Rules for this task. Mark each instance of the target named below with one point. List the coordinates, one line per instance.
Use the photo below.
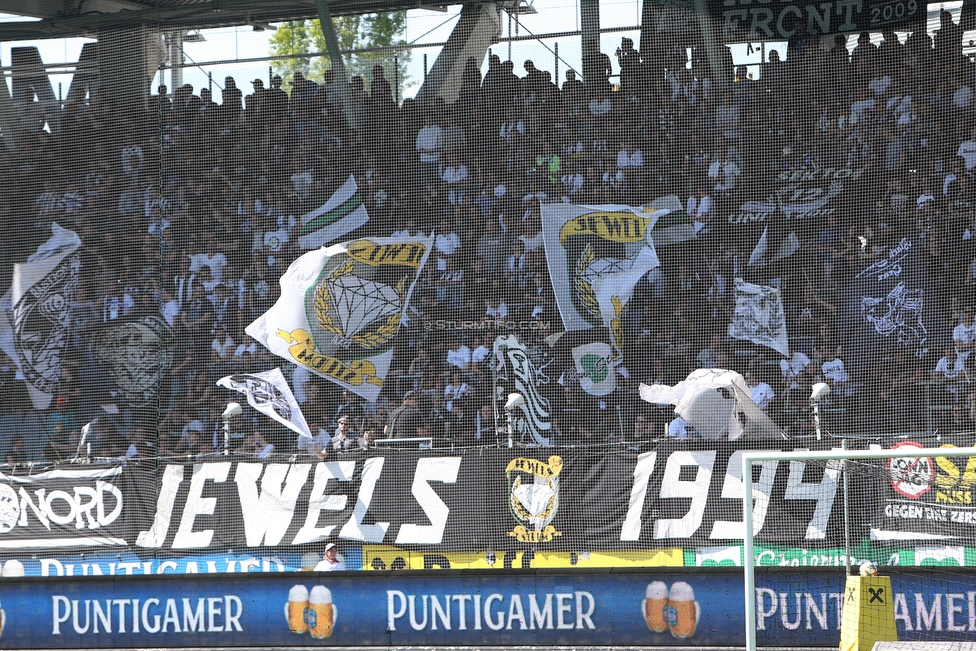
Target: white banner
(759, 317)
(269, 393)
(341, 307)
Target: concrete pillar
(85, 74)
(28, 72)
(127, 61)
(338, 66)
(474, 32)
(590, 22)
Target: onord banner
(524, 608)
(483, 501)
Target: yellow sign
(385, 557)
(302, 349)
(869, 613)
(536, 467)
(612, 226)
(373, 254)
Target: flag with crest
(341, 307)
(35, 313)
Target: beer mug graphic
(321, 612)
(655, 601)
(3, 619)
(682, 612)
(295, 609)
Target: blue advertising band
(616, 608)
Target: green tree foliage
(301, 37)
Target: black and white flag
(137, 354)
(35, 313)
(269, 393)
(515, 372)
(759, 317)
(890, 302)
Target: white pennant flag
(269, 393)
(341, 214)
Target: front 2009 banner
(306, 608)
(440, 501)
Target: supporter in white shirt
(459, 357)
(446, 243)
(792, 368)
(950, 367)
(330, 560)
(964, 334)
(967, 150)
(762, 393)
(430, 141)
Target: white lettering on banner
(800, 608)
(673, 487)
(443, 469)
(268, 514)
(697, 491)
(573, 610)
(221, 614)
(642, 473)
(196, 505)
(733, 488)
(318, 501)
(822, 491)
(354, 529)
(62, 507)
(170, 485)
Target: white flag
(269, 393)
(759, 317)
(341, 214)
(35, 313)
(341, 307)
(717, 403)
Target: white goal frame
(752, 456)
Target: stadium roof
(63, 18)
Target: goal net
(907, 514)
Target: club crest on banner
(136, 354)
(533, 497)
(341, 307)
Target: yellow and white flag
(340, 309)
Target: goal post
(750, 457)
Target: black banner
(672, 494)
(777, 20)
(450, 500)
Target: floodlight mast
(749, 456)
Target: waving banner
(269, 393)
(516, 372)
(341, 214)
(35, 313)
(341, 307)
(586, 358)
(891, 305)
(759, 317)
(585, 244)
(137, 354)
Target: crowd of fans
(188, 207)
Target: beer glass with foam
(655, 600)
(295, 609)
(3, 620)
(321, 612)
(682, 612)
